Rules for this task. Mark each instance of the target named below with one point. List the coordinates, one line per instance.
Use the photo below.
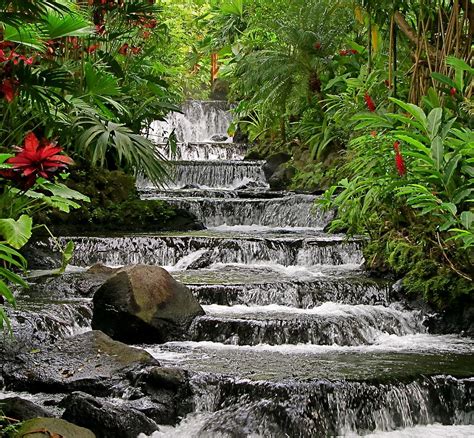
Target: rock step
(229, 285)
(209, 150)
(294, 211)
(168, 249)
(328, 324)
(190, 192)
(215, 174)
(324, 408)
(390, 358)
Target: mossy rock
(52, 427)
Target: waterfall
(198, 122)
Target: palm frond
(134, 152)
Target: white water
(192, 424)
(384, 343)
(198, 122)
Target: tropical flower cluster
(33, 160)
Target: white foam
(325, 309)
(431, 431)
(414, 343)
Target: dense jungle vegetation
(371, 101)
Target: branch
(411, 34)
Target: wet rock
(52, 427)
(143, 303)
(90, 362)
(219, 138)
(21, 409)
(240, 137)
(250, 185)
(168, 395)
(184, 220)
(282, 177)
(69, 285)
(274, 162)
(106, 419)
(203, 261)
(39, 256)
(458, 318)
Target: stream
(297, 339)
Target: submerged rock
(106, 419)
(219, 138)
(143, 303)
(52, 427)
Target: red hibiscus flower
(369, 102)
(35, 160)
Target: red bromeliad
(35, 160)
(369, 102)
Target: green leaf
(408, 139)
(62, 191)
(437, 152)
(16, 233)
(417, 113)
(450, 169)
(459, 64)
(444, 80)
(449, 206)
(467, 219)
(434, 122)
(67, 255)
(6, 292)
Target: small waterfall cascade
(297, 339)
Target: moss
(114, 206)
(425, 274)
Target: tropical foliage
(374, 101)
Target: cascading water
(297, 340)
(198, 122)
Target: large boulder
(106, 419)
(52, 427)
(143, 303)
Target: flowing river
(297, 340)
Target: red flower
(8, 90)
(136, 50)
(396, 147)
(317, 45)
(100, 29)
(400, 163)
(35, 160)
(373, 134)
(452, 91)
(123, 50)
(348, 52)
(369, 102)
(92, 48)
(146, 34)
